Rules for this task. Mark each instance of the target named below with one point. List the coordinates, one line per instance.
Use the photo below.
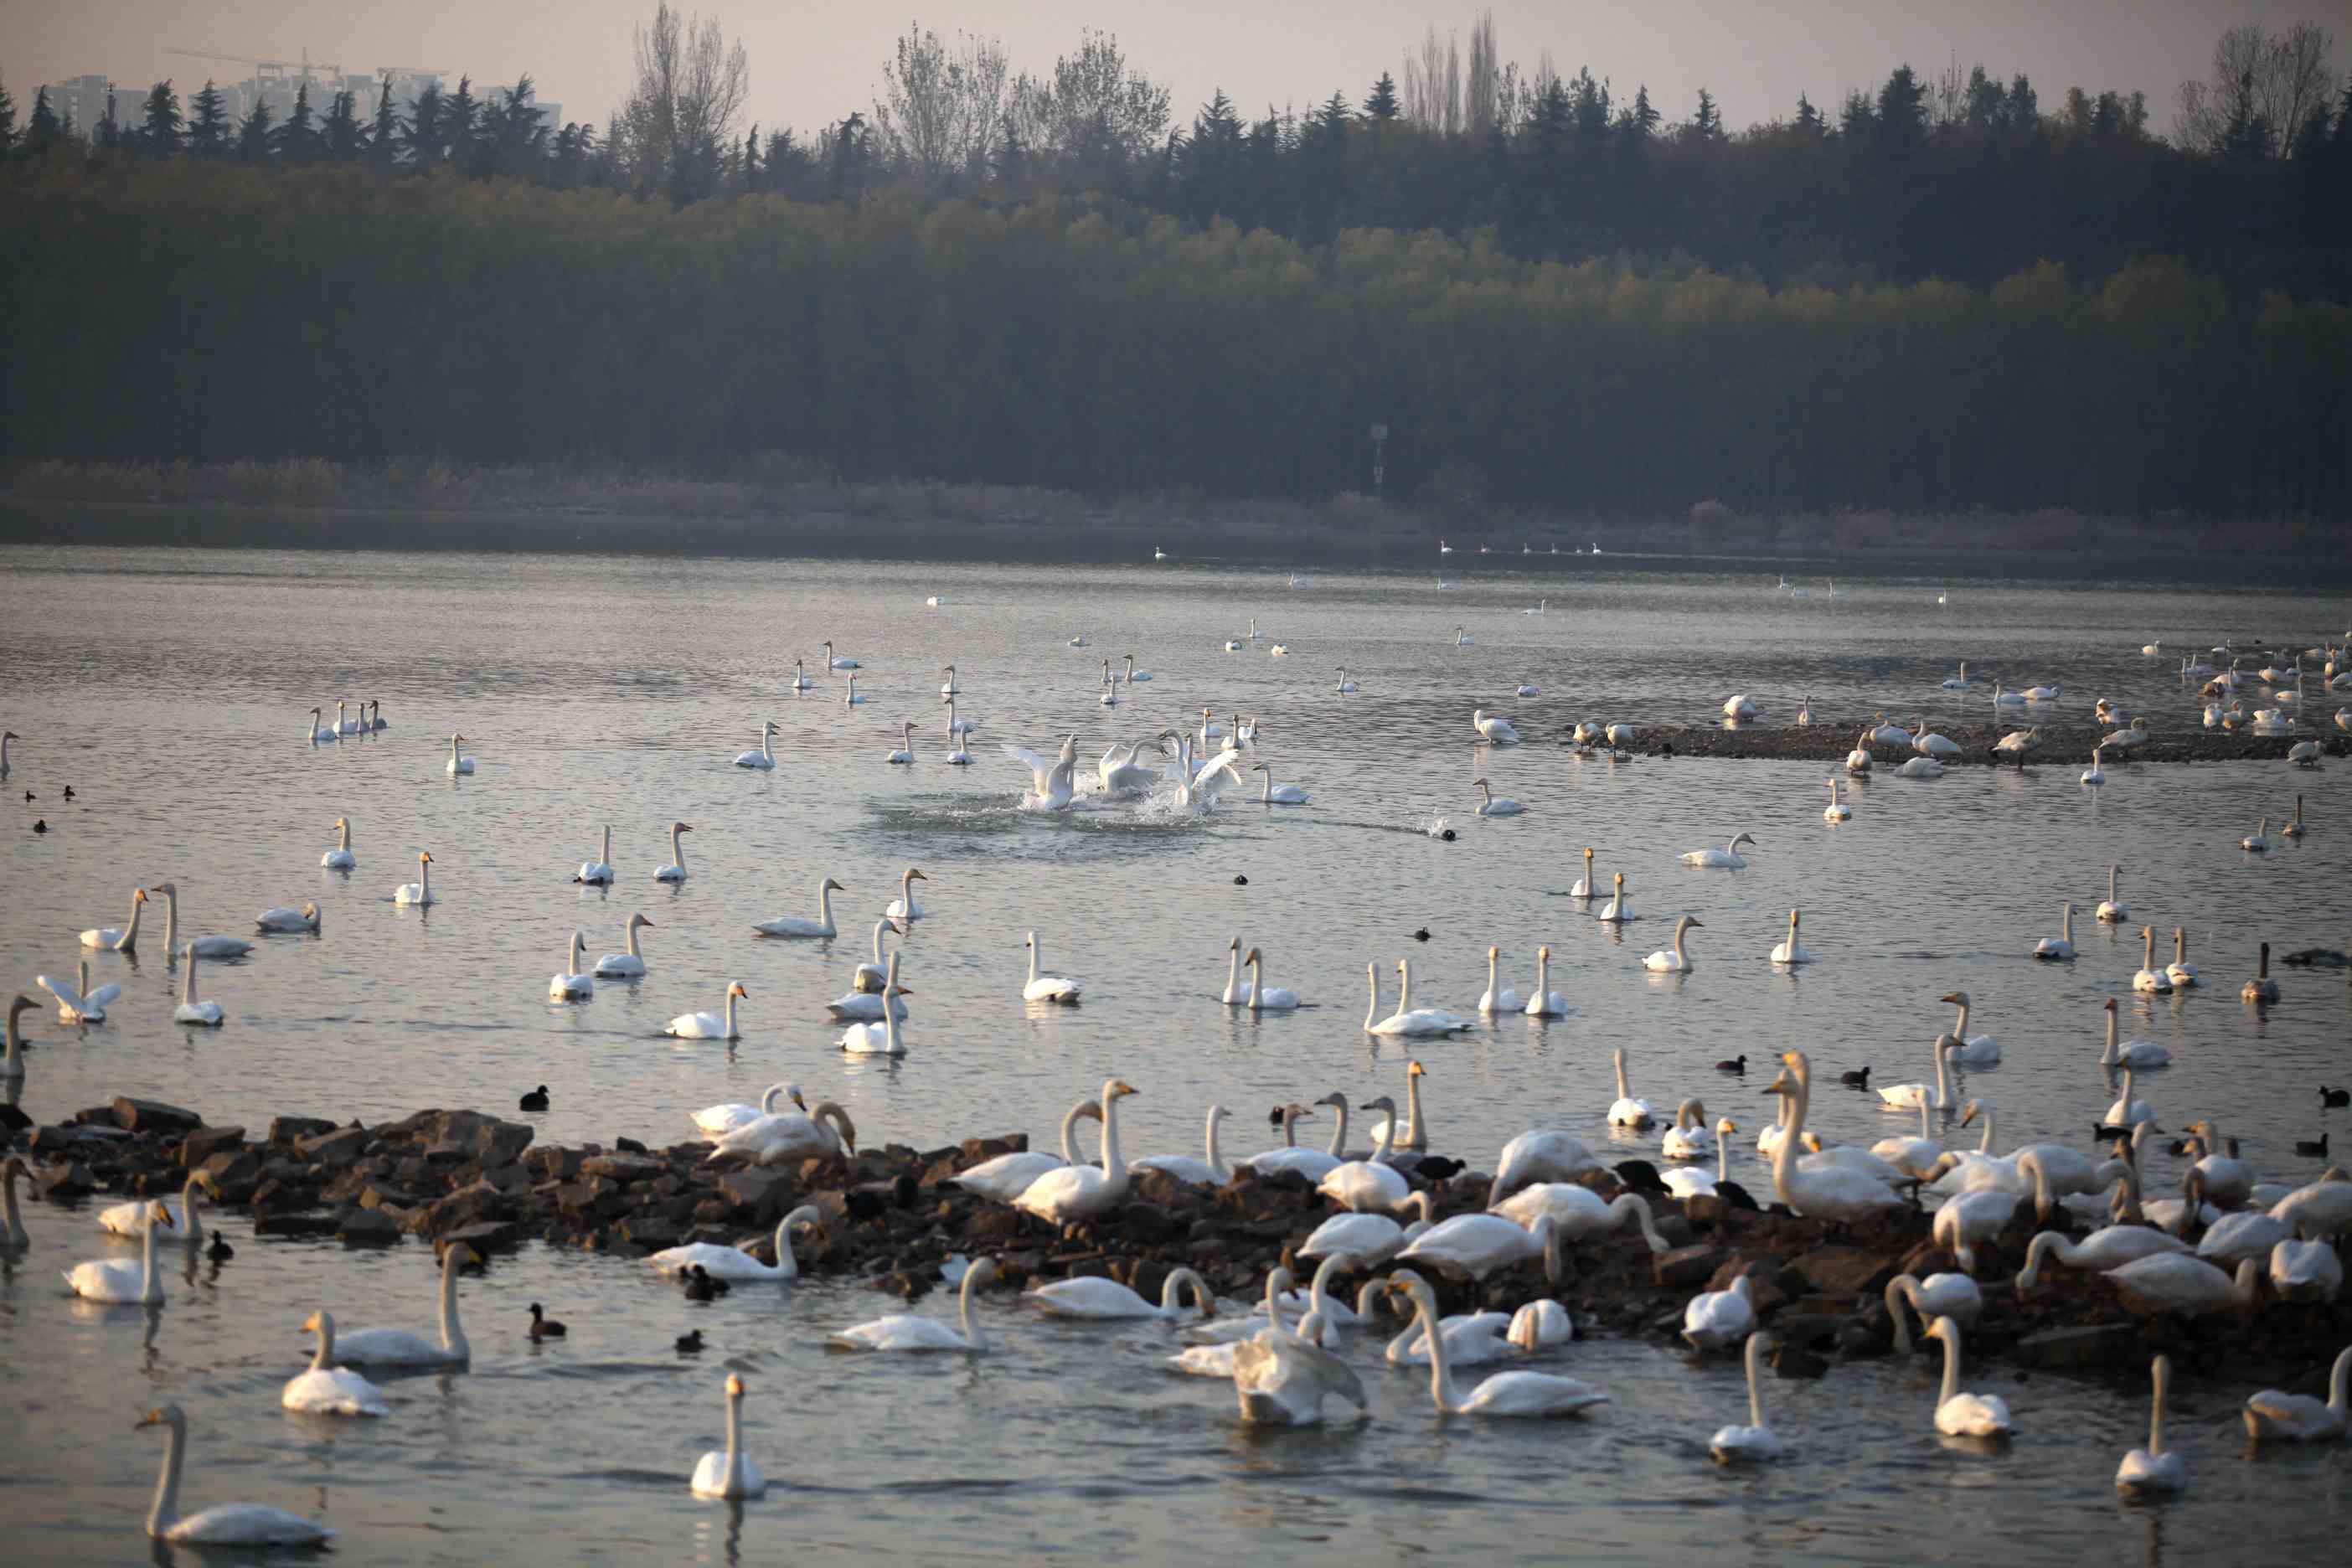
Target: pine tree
(1707, 125)
(208, 128)
(344, 138)
(1642, 120)
(253, 135)
(458, 114)
(160, 128)
(45, 127)
(1809, 118)
(1382, 104)
(298, 140)
(1550, 120)
(108, 133)
(7, 120)
(383, 132)
(426, 140)
(1902, 111)
(750, 161)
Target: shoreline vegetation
(777, 505)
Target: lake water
(169, 690)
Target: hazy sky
(814, 60)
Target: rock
(976, 1150)
(1797, 1360)
(64, 1179)
(276, 1196)
(1684, 1267)
(550, 1164)
(292, 1128)
(152, 1116)
(2094, 1345)
(468, 1204)
(302, 1224)
(48, 1141)
(334, 1150)
(1149, 1224)
(651, 1232)
(1844, 1272)
(591, 1194)
(995, 1225)
(623, 1168)
(230, 1168)
(485, 1237)
(366, 1228)
(630, 1146)
(205, 1141)
(483, 1138)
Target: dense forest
(1937, 296)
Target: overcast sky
(814, 60)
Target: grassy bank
(776, 505)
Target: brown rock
(64, 1179)
(273, 1195)
(229, 1166)
(367, 1228)
(51, 1141)
(651, 1232)
(466, 1205)
(622, 1168)
(290, 1129)
(335, 1149)
(485, 1237)
(550, 1162)
(152, 1116)
(1843, 1271)
(976, 1150)
(1683, 1267)
(205, 1141)
(995, 1225)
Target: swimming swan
(730, 1475)
(1755, 1442)
(675, 870)
(340, 858)
(223, 1524)
(398, 1347)
(1674, 960)
(1959, 1415)
(419, 892)
(460, 765)
(202, 947)
(905, 1331)
(822, 926)
(766, 757)
(704, 1025)
(733, 1263)
(572, 985)
(627, 965)
(191, 1011)
(1083, 1192)
(1507, 1393)
(325, 1389)
(1727, 859)
(113, 1281)
(1053, 987)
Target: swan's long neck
(1755, 1389)
(1784, 1157)
(1033, 967)
(730, 1012)
(2159, 1376)
(148, 1289)
(889, 1018)
(323, 1357)
(2179, 944)
(1217, 1158)
(1492, 964)
(1387, 1139)
(2107, 1057)
(165, 1511)
(1404, 987)
(12, 1219)
(1371, 1012)
(1267, 795)
(16, 1055)
(735, 1481)
(193, 1233)
(1070, 1133)
(2338, 1381)
(1441, 1370)
(971, 1331)
(764, 750)
(1722, 1158)
(1622, 1092)
(171, 922)
(343, 836)
(677, 848)
(2111, 884)
(2038, 1250)
(1680, 957)
(1952, 1365)
(423, 883)
(452, 1336)
(632, 942)
(1416, 1136)
(2066, 924)
(188, 980)
(2147, 949)
(1629, 1205)
(1543, 987)
(1339, 1131)
(1113, 1164)
(1960, 1029)
(906, 893)
(1944, 1081)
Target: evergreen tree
(208, 128)
(427, 140)
(1641, 120)
(848, 153)
(458, 114)
(1902, 120)
(7, 120)
(2246, 138)
(43, 128)
(109, 131)
(1591, 100)
(160, 129)
(1382, 104)
(344, 138)
(1011, 154)
(253, 135)
(296, 140)
(1550, 120)
(383, 132)
(1707, 125)
(1809, 118)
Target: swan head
(164, 1415)
(1725, 1127)
(914, 876)
(1958, 998)
(734, 1382)
(1384, 1102)
(1253, 958)
(425, 857)
(1743, 838)
(735, 988)
(158, 1215)
(1617, 880)
(318, 1324)
(341, 822)
(681, 827)
(635, 920)
(833, 886)
(1812, 1142)
(1968, 1112)
(1334, 1098)
(1414, 1070)
(170, 890)
(454, 740)
(138, 896)
(1690, 922)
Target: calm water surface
(169, 690)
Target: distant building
(82, 99)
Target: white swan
(283, 920)
(1566, 1212)
(2322, 1208)
(460, 765)
(2112, 910)
(1099, 1299)
(2059, 948)
(766, 757)
(1415, 1023)
(1497, 998)
(1968, 1051)
(1210, 1171)
(1544, 1002)
(1979, 1216)
(1959, 1415)
(822, 926)
(325, 1389)
(2176, 1282)
(1120, 774)
(1236, 991)
(948, 688)
(1714, 1319)
(1673, 959)
(1133, 675)
(319, 731)
(398, 1347)
(1689, 1138)
(1835, 1193)
(1726, 859)
(78, 1004)
(905, 1331)
(716, 1121)
(2106, 1248)
(1370, 1239)
(882, 1038)
(1494, 728)
(734, 1263)
(2095, 774)
(2149, 977)
(903, 755)
(1488, 805)
(629, 963)
(1505, 1394)
(1740, 707)
(1052, 987)
(2306, 1271)
(1836, 811)
(572, 985)
(2141, 1053)
(2128, 1111)
(113, 1281)
(957, 757)
(675, 870)
(1281, 795)
(1690, 1181)
(1755, 1442)
(2180, 972)
(1627, 1111)
(801, 681)
(1345, 686)
(223, 1524)
(903, 907)
(849, 696)
(1619, 734)
(1618, 910)
(1005, 1177)
(838, 661)
(340, 858)
(2273, 1415)
(1792, 952)
(1540, 1154)
(706, 1025)
(1083, 1192)
(1282, 1380)
(202, 947)
(1585, 886)
(1953, 1296)
(1957, 682)
(1541, 1323)
(786, 1137)
(1262, 998)
(730, 1475)
(1928, 744)
(1373, 1185)
(1916, 1156)
(207, 1014)
(419, 892)
(1908, 1096)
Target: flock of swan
(1286, 1358)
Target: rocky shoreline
(1828, 741)
(893, 1217)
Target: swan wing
(66, 995)
(1041, 768)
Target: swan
(1109, 698)
(1209, 1172)
(1083, 1192)
(320, 731)
(838, 661)
(707, 1026)
(1627, 1111)
(1836, 811)
(1977, 1216)
(1345, 686)
(2176, 1282)
(2259, 841)
(1544, 1002)
(2246, 1233)
(1858, 760)
(202, 947)
(734, 1263)
(1792, 952)
(1101, 1298)
(2294, 828)
(2002, 697)
(1370, 1239)
(1420, 1023)
(1488, 805)
(1472, 1339)
(1714, 1319)
(903, 907)
(1120, 773)
(398, 1347)
(2261, 987)
(785, 1137)
(79, 1005)
(1726, 859)
(1618, 910)
(2228, 1181)
(1689, 1138)
(1674, 960)
(2149, 977)
(878, 1040)
(1739, 707)
(948, 688)
(1959, 1415)
(223, 1524)
(1057, 988)
(849, 695)
(1585, 886)
(675, 870)
(1004, 1177)
(627, 965)
(1957, 682)
(1414, 1137)
(1906, 1096)
(1496, 999)
(460, 765)
(190, 1010)
(1916, 1156)
(420, 892)
(905, 1331)
(2273, 1416)
(1373, 1185)
(1495, 729)
(1757, 1442)
(2095, 774)
(1833, 1194)
(2133, 734)
(2059, 948)
(1569, 1211)
(822, 926)
(766, 757)
(340, 858)
(801, 681)
(1236, 991)
(2014, 745)
(1969, 1050)
(1133, 675)
(1820, 1156)
(2128, 1111)
(325, 1389)
(1507, 1393)
(1540, 1155)
(1312, 1163)
(1461, 637)
(1690, 1181)
(1953, 1296)
(1537, 1325)
(730, 1475)
(957, 757)
(863, 1002)
(716, 1121)
(1932, 745)
(113, 1281)
(1477, 1245)
(599, 872)
(1282, 1379)
(572, 985)
(1273, 999)
(2108, 1247)
(2322, 1208)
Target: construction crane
(262, 69)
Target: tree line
(209, 310)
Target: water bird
(223, 1524)
(689, 1342)
(399, 1347)
(730, 1475)
(629, 963)
(535, 1100)
(325, 1389)
(675, 870)
(543, 1327)
(2334, 1097)
(1737, 1063)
